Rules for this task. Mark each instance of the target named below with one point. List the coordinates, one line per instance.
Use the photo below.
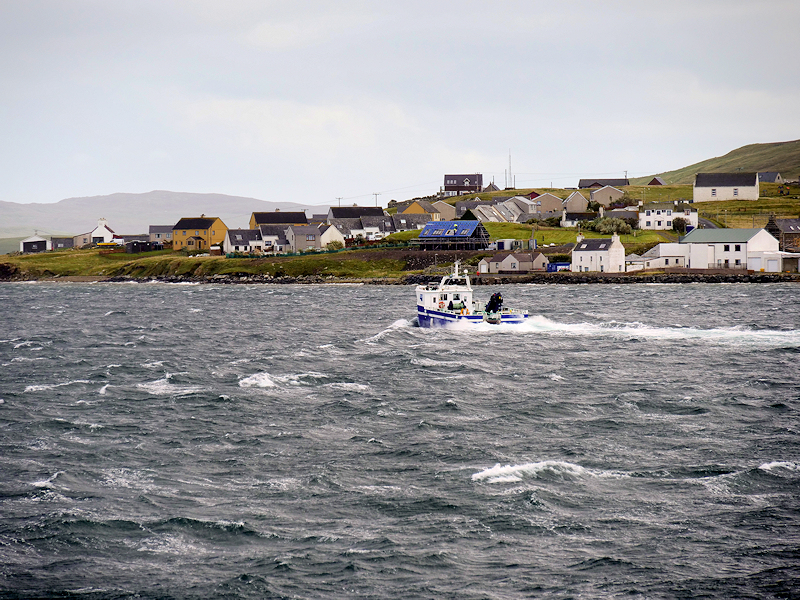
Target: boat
(450, 302)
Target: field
(781, 157)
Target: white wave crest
(785, 465)
(261, 380)
(399, 324)
(514, 473)
(164, 387)
(267, 380)
(722, 335)
(49, 386)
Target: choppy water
(309, 441)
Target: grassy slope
(783, 157)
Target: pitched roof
(402, 222)
(657, 181)
(345, 226)
(593, 245)
(239, 236)
(769, 176)
(195, 223)
(449, 229)
(279, 217)
(785, 225)
(587, 183)
(581, 216)
(718, 236)
(725, 179)
(160, 228)
(354, 212)
(384, 224)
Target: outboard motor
(495, 303)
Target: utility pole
(376, 194)
(339, 198)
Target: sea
(311, 441)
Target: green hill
(783, 157)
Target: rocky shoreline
(562, 278)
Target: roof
(769, 176)
(448, 229)
(304, 229)
(384, 223)
(491, 188)
(354, 212)
(581, 216)
(345, 226)
(785, 225)
(587, 183)
(725, 179)
(718, 236)
(195, 223)
(667, 206)
(610, 187)
(593, 245)
(160, 228)
(280, 217)
(238, 236)
(520, 256)
(415, 221)
(657, 181)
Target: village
(445, 223)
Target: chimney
(614, 238)
(580, 239)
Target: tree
(334, 245)
(679, 224)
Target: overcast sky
(309, 101)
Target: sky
(313, 101)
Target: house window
(737, 262)
(726, 248)
(669, 213)
(676, 261)
(738, 248)
(735, 191)
(311, 237)
(513, 265)
(658, 223)
(184, 233)
(658, 212)
(669, 223)
(158, 236)
(727, 263)
(647, 214)
(197, 232)
(713, 192)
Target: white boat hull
(435, 318)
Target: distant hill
(132, 213)
(783, 157)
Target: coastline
(561, 278)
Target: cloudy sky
(310, 101)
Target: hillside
(783, 157)
(131, 213)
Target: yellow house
(421, 207)
(198, 233)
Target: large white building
(709, 187)
(754, 249)
(660, 216)
(606, 255)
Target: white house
(247, 241)
(659, 216)
(754, 249)
(328, 234)
(661, 256)
(709, 187)
(102, 234)
(606, 255)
